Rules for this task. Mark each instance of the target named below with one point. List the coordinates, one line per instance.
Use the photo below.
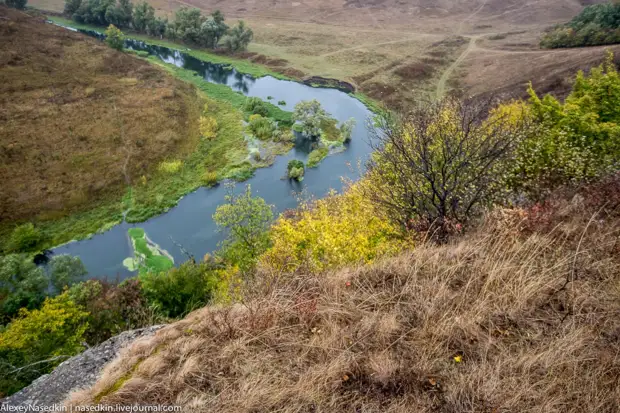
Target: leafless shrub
(439, 164)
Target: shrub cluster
(597, 24)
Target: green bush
(295, 169)
(22, 285)
(176, 292)
(65, 271)
(282, 102)
(112, 308)
(262, 128)
(24, 238)
(256, 106)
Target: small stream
(189, 224)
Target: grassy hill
(519, 315)
(80, 121)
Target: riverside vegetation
(425, 284)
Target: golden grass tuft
(522, 315)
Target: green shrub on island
(281, 102)
(295, 170)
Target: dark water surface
(190, 223)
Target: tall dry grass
(521, 316)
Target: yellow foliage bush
(332, 232)
(170, 166)
(208, 127)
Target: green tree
(114, 38)
(143, 16)
(119, 14)
(65, 271)
(310, 115)
(22, 284)
(245, 220)
(238, 38)
(157, 27)
(17, 4)
(38, 340)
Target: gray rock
(75, 373)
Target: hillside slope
(522, 315)
(78, 120)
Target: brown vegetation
(80, 120)
(523, 315)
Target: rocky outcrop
(75, 373)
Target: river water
(190, 223)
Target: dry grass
(530, 303)
(79, 120)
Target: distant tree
(310, 114)
(17, 4)
(245, 220)
(143, 15)
(238, 38)
(71, 6)
(65, 271)
(157, 27)
(114, 38)
(119, 14)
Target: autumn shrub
(571, 142)
(38, 340)
(443, 163)
(112, 308)
(332, 232)
(316, 156)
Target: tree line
(189, 25)
(597, 24)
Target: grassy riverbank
(153, 185)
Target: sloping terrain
(78, 120)
(521, 315)
(401, 52)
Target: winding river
(190, 223)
